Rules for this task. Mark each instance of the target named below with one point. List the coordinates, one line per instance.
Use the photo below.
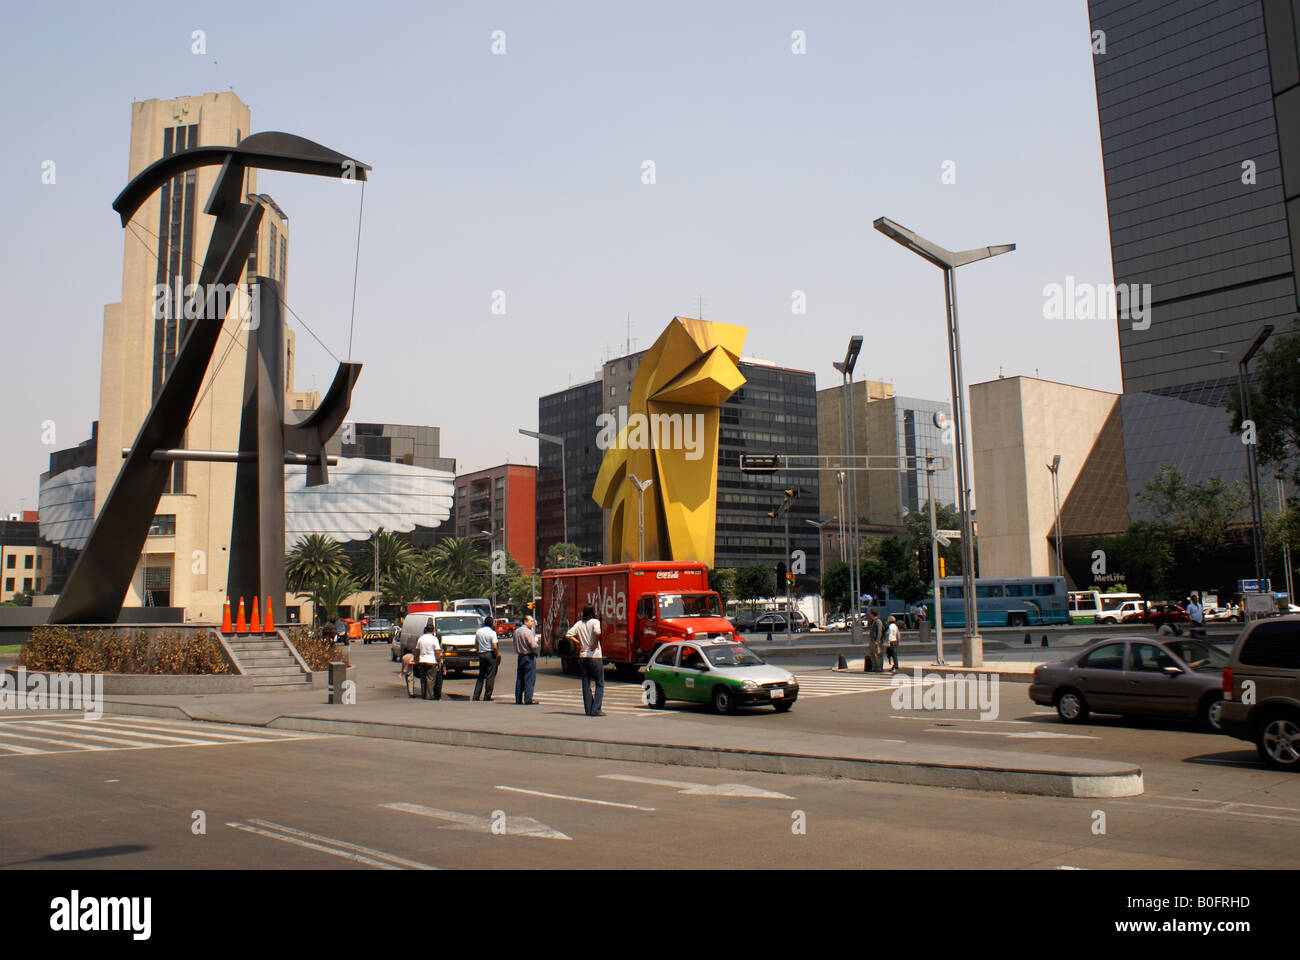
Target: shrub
(60, 649)
(316, 649)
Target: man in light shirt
(489, 656)
(428, 663)
(526, 666)
(585, 635)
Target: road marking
(1067, 867)
(1044, 735)
(82, 734)
(338, 848)
(561, 796)
(514, 826)
(701, 789)
(931, 719)
(620, 700)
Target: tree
(332, 591)
(313, 559)
(560, 555)
(917, 534)
(456, 568)
(1202, 512)
(753, 582)
(835, 586)
(1275, 405)
(403, 586)
(723, 583)
(394, 553)
(1146, 556)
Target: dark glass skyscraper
(1196, 211)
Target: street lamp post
(934, 560)
(949, 261)
(1054, 467)
(492, 570)
(1286, 544)
(641, 486)
(1252, 463)
(845, 367)
(564, 482)
(821, 526)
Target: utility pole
(934, 560)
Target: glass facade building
(1196, 212)
(570, 414)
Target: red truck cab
(640, 607)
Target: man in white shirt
(526, 665)
(1196, 613)
(428, 663)
(586, 637)
(489, 657)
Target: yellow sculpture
(669, 435)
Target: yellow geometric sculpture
(670, 436)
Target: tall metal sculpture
(671, 438)
(102, 575)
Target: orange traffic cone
(256, 625)
(241, 625)
(268, 626)
(225, 618)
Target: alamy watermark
(53, 691)
(1098, 301)
(655, 431)
(949, 691)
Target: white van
(455, 632)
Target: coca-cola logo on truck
(667, 574)
(610, 604)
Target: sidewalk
(670, 737)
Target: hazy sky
(523, 173)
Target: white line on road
(931, 719)
(1045, 735)
(512, 826)
(702, 789)
(402, 861)
(333, 851)
(561, 796)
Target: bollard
(924, 628)
(1028, 638)
(841, 663)
(338, 674)
(1044, 643)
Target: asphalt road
(281, 799)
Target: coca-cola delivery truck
(640, 607)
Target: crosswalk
(72, 733)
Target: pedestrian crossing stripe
(32, 736)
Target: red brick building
(501, 500)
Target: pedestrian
(875, 631)
(891, 643)
(489, 658)
(428, 665)
(1195, 613)
(586, 636)
(526, 664)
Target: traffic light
(942, 568)
(530, 604)
(925, 565)
(789, 579)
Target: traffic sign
(949, 534)
(758, 463)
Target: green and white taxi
(728, 675)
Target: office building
(500, 501)
(25, 559)
(1198, 222)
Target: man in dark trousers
(428, 666)
(526, 664)
(874, 659)
(489, 657)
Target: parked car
(1228, 614)
(504, 627)
(1123, 612)
(1179, 678)
(455, 632)
(1261, 689)
(779, 623)
(378, 630)
(728, 675)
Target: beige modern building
(185, 558)
(1018, 426)
(885, 426)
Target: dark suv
(1261, 690)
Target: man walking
(586, 637)
(489, 657)
(891, 644)
(874, 659)
(1196, 616)
(428, 666)
(526, 663)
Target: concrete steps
(268, 663)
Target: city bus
(1007, 601)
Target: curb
(1089, 779)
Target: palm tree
(332, 591)
(456, 568)
(313, 559)
(394, 553)
(403, 586)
